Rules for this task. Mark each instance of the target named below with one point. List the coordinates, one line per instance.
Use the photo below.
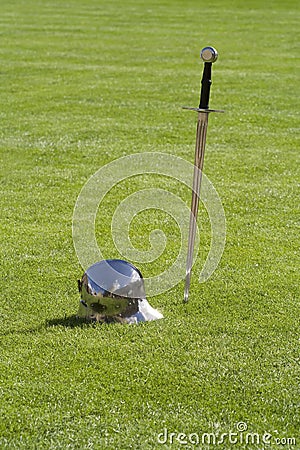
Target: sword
(208, 55)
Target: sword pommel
(208, 55)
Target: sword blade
(197, 177)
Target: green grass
(83, 83)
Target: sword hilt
(208, 55)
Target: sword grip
(205, 86)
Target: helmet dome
(113, 290)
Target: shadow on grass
(69, 322)
(74, 321)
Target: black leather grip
(205, 86)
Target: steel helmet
(113, 290)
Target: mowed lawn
(83, 83)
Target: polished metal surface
(113, 290)
(209, 54)
(198, 167)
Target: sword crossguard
(206, 110)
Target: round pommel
(209, 54)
